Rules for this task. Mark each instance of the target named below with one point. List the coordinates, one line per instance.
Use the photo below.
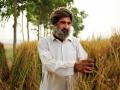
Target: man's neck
(57, 38)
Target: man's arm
(81, 53)
(83, 64)
(51, 64)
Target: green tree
(14, 26)
(38, 12)
(12, 7)
(78, 20)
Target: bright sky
(103, 15)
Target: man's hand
(84, 66)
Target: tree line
(37, 13)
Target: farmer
(62, 54)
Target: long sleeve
(81, 53)
(52, 65)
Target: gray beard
(61, 34)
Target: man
(61, 54)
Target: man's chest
(65, 52)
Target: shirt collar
(69, 38)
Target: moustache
(65, 30)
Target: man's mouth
(64, 30)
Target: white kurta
(58, 60)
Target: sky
(103, 16)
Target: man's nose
(66, 26)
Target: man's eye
(62, 22)
(69, 23)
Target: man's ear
(54, 27)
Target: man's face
(64, 24)
(63, 28)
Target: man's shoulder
(46, 38)
(75, 39)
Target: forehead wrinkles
(65, 20)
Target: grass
(26, 69)
(106, 54)
(9, 53)
(4, 70)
